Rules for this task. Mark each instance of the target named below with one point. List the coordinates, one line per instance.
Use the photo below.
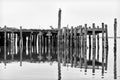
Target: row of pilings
(73, 46)
(76, 46)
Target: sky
(40, 14)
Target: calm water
(49, 70)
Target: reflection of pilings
(94, 48)
(106, 47)
(5, 45)
(102, 49)
(115, 49)
(21, 46)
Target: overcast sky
(44, 13)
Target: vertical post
(65, 47)
(75, 46)
(16, 41)
(98, 46)
(106, 47)
(21, 45)
(94, 48)
(39, 45)
(71, 47)
(80, 33)
(5, 45)
(49, 45)
(30, 46)
(59, 26)
(85, 47)
(89, 46)
(12, 45)
(102, 49)
(115, 48)
(52, 44)
(82, 49)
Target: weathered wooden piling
(67, 52)
(5, 45)
(52, 50)
(106, 46)
(115, 48)
(80, 42)
(89, 46)
(75, 47)
(21, 45)
(16, 41)
(102, 49)
(94, 48)
(98, 46)
(30, 37)
(85, 47)
(71, 46)
(65, 47)
(82, 47)
(40, 45)
(58, 55)
(49, 34)
(12, 45)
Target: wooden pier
(65, 45)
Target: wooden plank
(115, 48)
